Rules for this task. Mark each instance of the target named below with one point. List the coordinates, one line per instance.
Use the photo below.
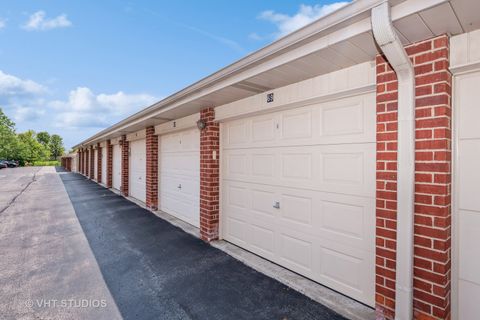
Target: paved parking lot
(73, 250)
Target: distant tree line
(27, 147)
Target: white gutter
(396, 55)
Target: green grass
(46, 163)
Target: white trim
(355, 80)
(115, 141)
(184, 123)
(465, 68)
(141, 134)
(455, 228)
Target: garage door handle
(276, 205)
(179, 186)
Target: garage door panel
(295, 251)
(137, 169)
(298, 188)
(181, 163)
(467, 99)
(262, 240)
(469, 174)
(469, 238)
(467, 199)
(347, 121)
(95, 164)
(296, 124)
(181, 186)
(180, 207)
(104, 165)
(179, 178)
(345, 169)
(263, 129)
(116, 167)
(469, 307)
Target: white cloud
(3, 23)
(38, 21)
(306, 14)
(85, 109)
(12, 86)
(22, 114)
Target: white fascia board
(184, 123)
(141, 134)
(274, 55)
(355, 80)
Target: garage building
(345, 152)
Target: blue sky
(76, 67)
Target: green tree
(29, 149)
(56, 146)
(8, 138)
(44, 138)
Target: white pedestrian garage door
(104, 165)
(116, 167)
(137, 169)
(467, 198)
(179, 191)
(298, 188)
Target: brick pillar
(152, 169)
(92, 164)
(209, 176)
(99, 163)
(109, 164)
(432, 226)
(125, 175)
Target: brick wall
(92, 164)
(125, 175)
(109, 163)
(432, 182)
(152, 169)
(209, 176)
(99, 163)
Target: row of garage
(297, 162)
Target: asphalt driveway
(141, 266)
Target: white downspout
(396, 55)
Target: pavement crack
(34, 177)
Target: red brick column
(99, 163)
(109, 164)
(209, 176)
(152, 169)
(92, 164)
(125, 175)
(432, 226)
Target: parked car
(9, 163)
(12, 163)
(3, 164)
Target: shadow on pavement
(156, 271)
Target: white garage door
(137, 170)
(179, 168)
(467, 197)
(104, 165)
(117, 167)
(298, 188)
(95, 164)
